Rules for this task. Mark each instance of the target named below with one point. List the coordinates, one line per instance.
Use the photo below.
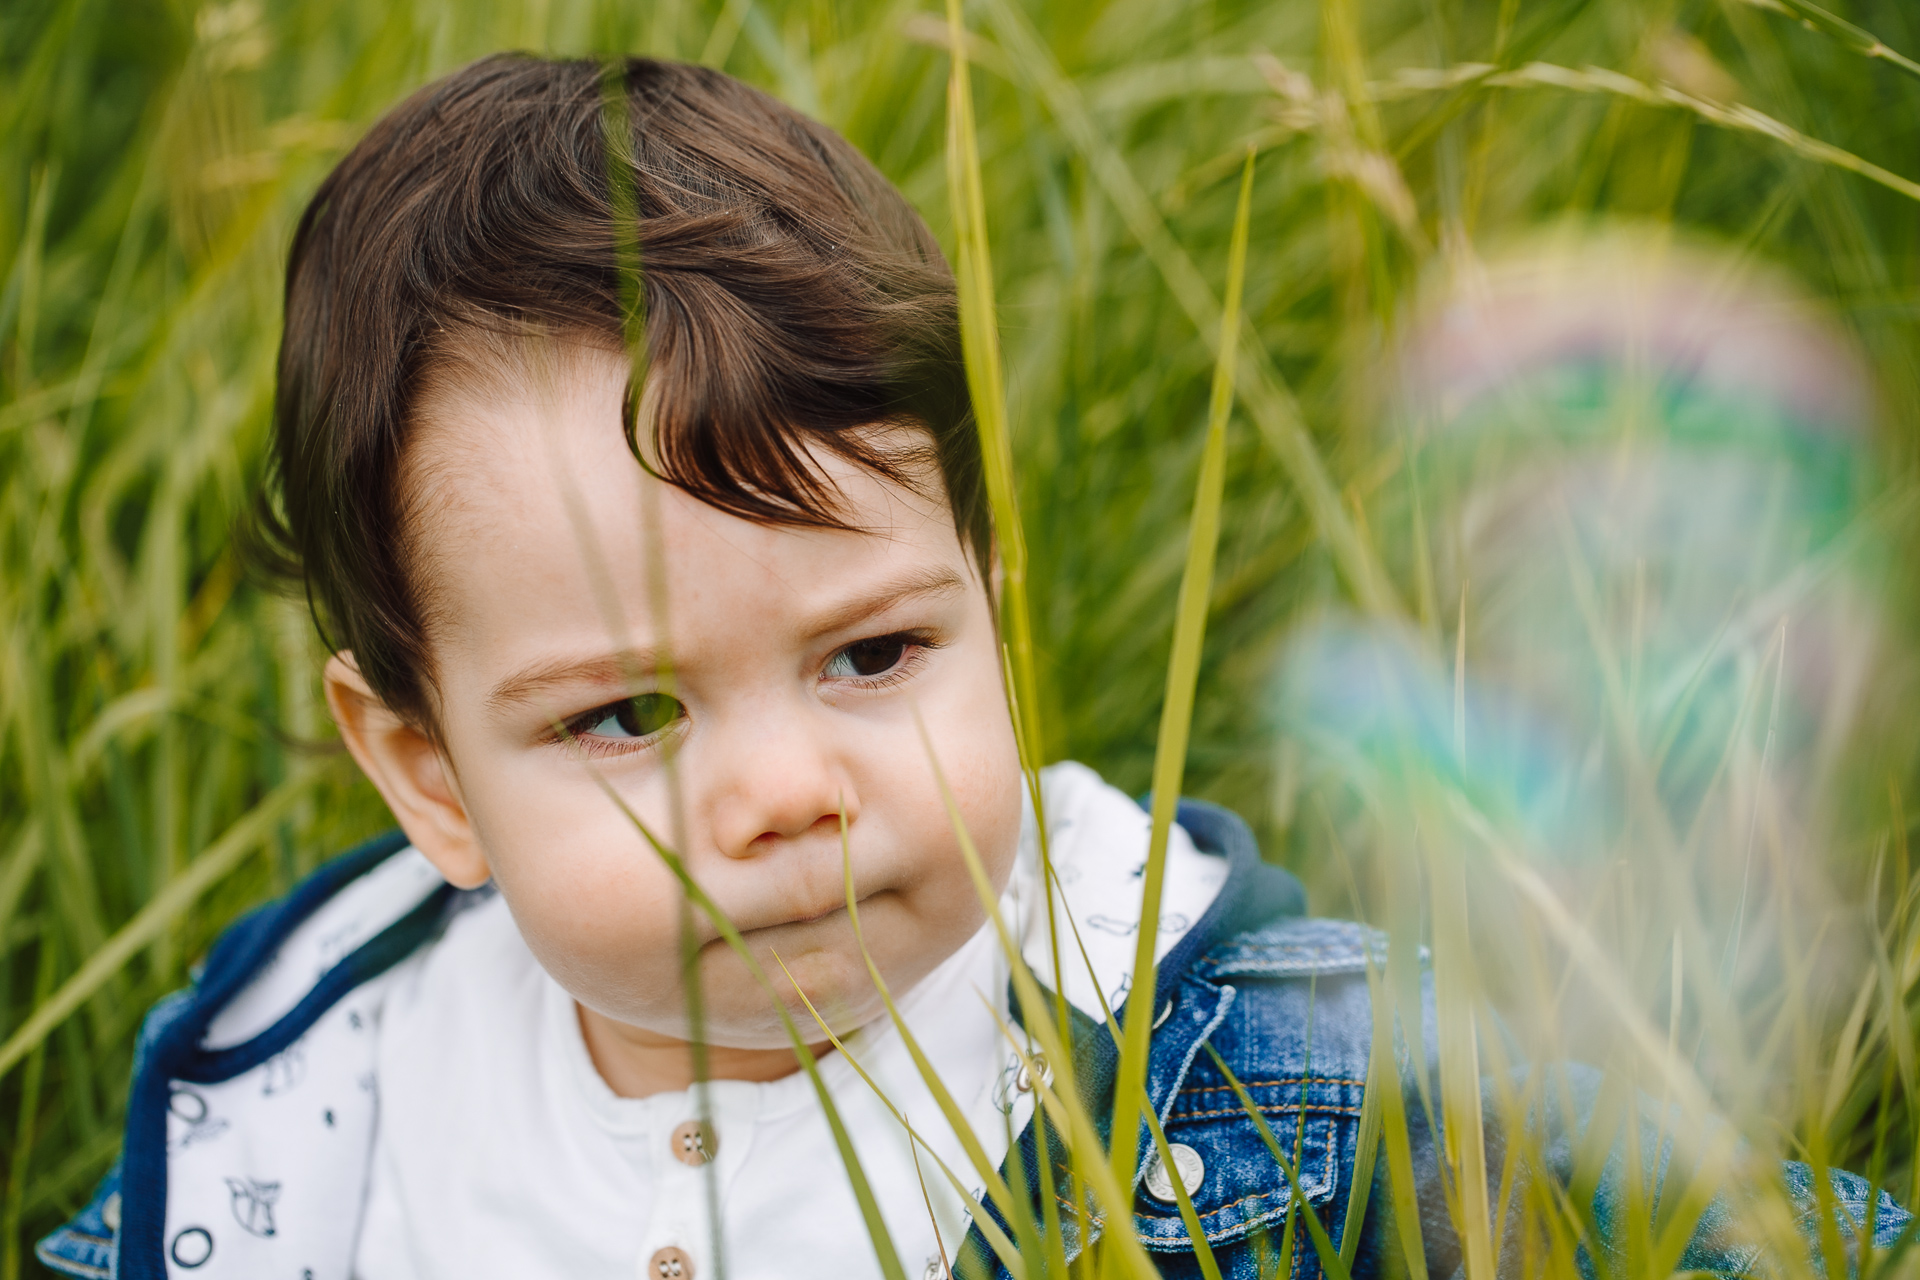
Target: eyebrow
(908, 586)
(530, 682)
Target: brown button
(670, 1264)
(693, 1143)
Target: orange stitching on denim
(1094, 1218)
(1268, 1084)
(1099, 1222)
(1253, 1195)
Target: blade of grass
(1268, 403)
(1202, 1251)
(1176, 715)
(1740, 117)
(1330, 1260)
(1012, 1206)
(980, 346)
(980, 349)
(617, 148)
(1456, 987)
(1004, 1248)
(1124, 1249)
(1858, 39)
(1379, 1071)
(1124, 1255)
(926, 1198)
(1393, 1107)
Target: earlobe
(410, 773)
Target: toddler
(738, 597)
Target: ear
(409, 771)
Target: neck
(637, 1063)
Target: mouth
(796, 922)
(815, 919)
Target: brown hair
(792, 299)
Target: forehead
(526, 513)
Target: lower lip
(803, 921)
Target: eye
(640, 716)
(872, 657)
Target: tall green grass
(164, 760)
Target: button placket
(686, 1155)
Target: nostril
(759, 811)
(764, 843)
(825, 827)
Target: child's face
(799, 658)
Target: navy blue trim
(1254, 893)
(393, 944)
(250, 941)
(175, 1052)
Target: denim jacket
(1280, 997)
(1283, 1000)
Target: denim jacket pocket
(1238, 1188)
(1297, 1038)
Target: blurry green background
(154, 157)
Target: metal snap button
(693, 1143)
(670, 1264)
(933, 1270)
(1023, 1081)
(1186, 1162)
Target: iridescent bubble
(1642, 466)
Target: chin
(763, 1029)
(741, 1015)
(839, 989)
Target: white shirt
(498, 1151)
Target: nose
(773, 776)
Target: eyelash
(573, 734)
(917, 645)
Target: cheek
(588, 894)
(996, 787)
(975, 745)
